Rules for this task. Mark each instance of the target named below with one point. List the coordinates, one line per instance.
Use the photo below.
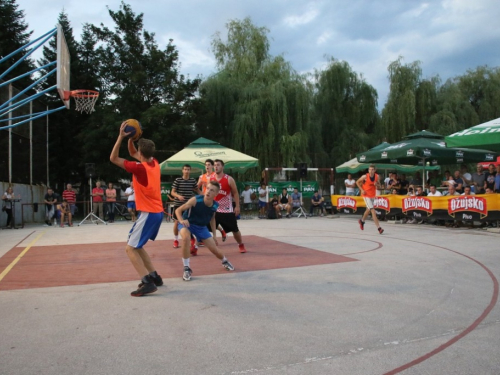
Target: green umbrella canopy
(485, 136)
(353, 166)
(198, 151)
(422, 147)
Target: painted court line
(14, 262)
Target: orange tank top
(148, 198)
(205, 179)
(370, 187)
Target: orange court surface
(311, 296)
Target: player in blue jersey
(196, 214)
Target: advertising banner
(484, 207)
(308, 187)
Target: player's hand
(362, 191)
(181, 198)
(185, 223)
(216, 242)
(236, 210)
(123, 134)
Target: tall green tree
(138, 80)
(256, 103)
(13, 35)
(399, 113)
(345, 107)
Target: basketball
(133, 127)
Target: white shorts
(369, 202)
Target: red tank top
(225, 198)
(370, 187)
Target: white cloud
(303, 19)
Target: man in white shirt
(262, 200)
(247, 198)
(433, 192)
(350, 184)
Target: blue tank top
(200, 214)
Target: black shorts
(227, 220)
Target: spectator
(489, 224)
(50, 200)
(394, 191)
(395, 183)
(446, 178)
(467, 191)
(70, 195)
(466, 176)
(262, 200)
(489, 177)
(433, 192)
(247, 198)
(452, 190)
(411, 191)
(350, 184)
(284, 203)
(497, 180)
(64, 210)
(317, 201)
(420, 192)
(478, 180)
(434, 179)
(273, 209)
(130, 194)
(404, 184)
(387, 181)
(97, 199)
(296, 198)
(111, 202)
(417, 180)
(459, 182)
(7, 204)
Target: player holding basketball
(194, 216)
(368, 185)
(202, 185)
(226, 215)
(146, 178)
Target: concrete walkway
(418, 299)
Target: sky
(449, 37)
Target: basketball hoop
(85, 100)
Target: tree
(256, 103)
(138, 80)
(345, 108)
(14, 35)
(399, 113)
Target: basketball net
(85, 100)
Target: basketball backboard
(63, 67)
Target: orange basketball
(133, 127)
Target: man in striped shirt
(70, 196)
(183, 189)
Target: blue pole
(34, 118)
(51, 32)
(29, 73)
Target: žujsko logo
(417, 204)
(343, 202)
(468, 203)
(382, 203)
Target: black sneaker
(144, 289)
(157, 280)
(361, 224)
(380, 230)
(228, 266)
(186, 276)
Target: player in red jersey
(226, 215)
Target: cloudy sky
(447, 36)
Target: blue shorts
(201, 233)
(262, 204)
(145, 228)
(131, 205)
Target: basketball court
(315, 296)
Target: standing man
(194, 216)
(97, 194)
(368, 185)
(146, 177)
(70, 195)
(262, 200)
(110, 202)
(50, 200)
(478, 180)
(203, 183)
(130, 194)
(226, 215)
(183, 189)
(350, 184)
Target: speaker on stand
(90, 172)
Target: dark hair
(186, 166)
(432, 185)
(315, 191)
(219, 161)
(215, 183)
(146, 147)
(209, 161)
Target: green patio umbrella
(422, 148)
(354, 166)
(485, 136)
(198, 151)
